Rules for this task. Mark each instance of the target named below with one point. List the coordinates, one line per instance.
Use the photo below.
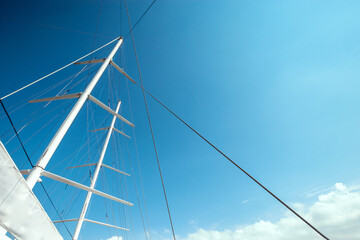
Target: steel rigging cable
(207, 141)
(138, 159)
(133, 27)
(230, 160)
(32, 165)
(148, 115)
(138, 21)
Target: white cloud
(336, 214)
(115, 238)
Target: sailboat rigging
(21, 213)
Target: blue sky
(273, 84)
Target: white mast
(96, 174)
(49, 151)
(23, 195)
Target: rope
(28, 158)
(17, 135)
(151, 130)
(48, 75)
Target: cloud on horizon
(115, 238)
(336, 214)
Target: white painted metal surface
(105, 128)
(67, 96)
(83, 187)
(25, 172)
(66, 220)
(67, 65)
(122, 133)
(91, 61)
(85, 165)
(51, 148)
(3, 234)
(105, 224)
(114, 169)
(100, 104)
(96, 174)
(21, 214)
(121, 71)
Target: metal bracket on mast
(92, 164)
(91, 221)
(67, 96)
(100, 104)
(105, 224)
(121, 71)
(78, 185)
(91, 98)
(114, 169)
(95, 130)
(83, 187)
(122, 133)
(114, 129)
(85, 165)
(66, 220)
(111, 62)
(91, 61)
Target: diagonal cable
(32, 165)
(234, 163)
